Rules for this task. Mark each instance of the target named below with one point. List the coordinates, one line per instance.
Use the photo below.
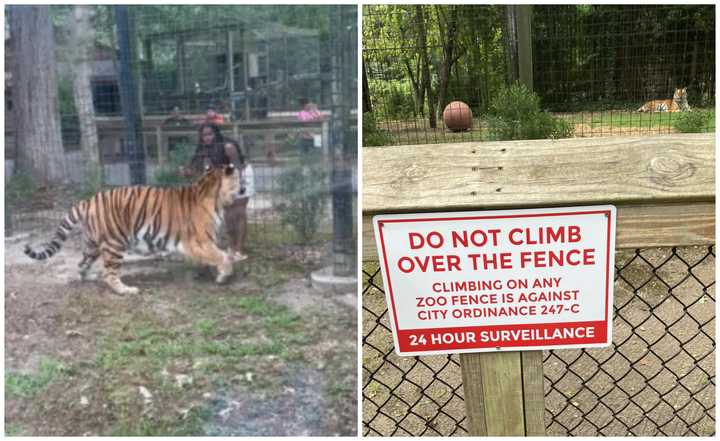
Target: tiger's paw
(132, 290)
(122, 289)
(225, 270)
(222, 278)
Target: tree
(37, 122)
(426, 83)
(448, 28)
(82, 43)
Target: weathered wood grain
(533, 392)
(493, 392)
(638, 226)
(663, 188)
(474, 175)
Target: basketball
(457, 116)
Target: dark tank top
(213, 155)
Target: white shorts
(247, 181)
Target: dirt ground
(263, 355)
(657, 379)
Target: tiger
(678, 103)
(151, 220)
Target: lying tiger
(151, 219)
(678, 103)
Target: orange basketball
(457, 116)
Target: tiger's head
(680, 94)
(223, 182)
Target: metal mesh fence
(596, 70)
(258, 67)
(658, 378)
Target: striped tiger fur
(183, 219)
(678, 103)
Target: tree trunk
(367, 104)
(448, 35)
(37, 123)
(83, 44)
(510, 39)
(422, 46)
(415, 82)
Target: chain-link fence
(658, 378)
(596, 70)
(134, 83)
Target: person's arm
(232, 154)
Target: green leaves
(515, 114)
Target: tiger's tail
(48, 249)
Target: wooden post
(161, 146)
(524, 44)
(230, 71)
(510, 40)
(246, 72)
(326, 137)
(180, 61)
(663, 188)
(504, 391)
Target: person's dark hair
(303, 102)
(217, 134)
(241, 153)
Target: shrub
(372, 134)
(304, 191)
(695, 121)
(393, 99)
(20, 187)
(167, 175)
(515, 114)
(93, 183)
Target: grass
(192, 423)
(634, 119)
(234, 339)
(230, 336)
(13, 429)
(214, 333)
(417, 131)
(26, 385)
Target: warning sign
(492, 280)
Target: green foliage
(392, 99)
(167, 175)
(19, 188)
(93, 183)
(695, 121)
(66, 99)
(303, 189)
(372, 134)
(515, 114)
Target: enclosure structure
(658, 378)
(253, 65)
(591, 67)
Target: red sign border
(397, 330)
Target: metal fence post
(129, 97)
